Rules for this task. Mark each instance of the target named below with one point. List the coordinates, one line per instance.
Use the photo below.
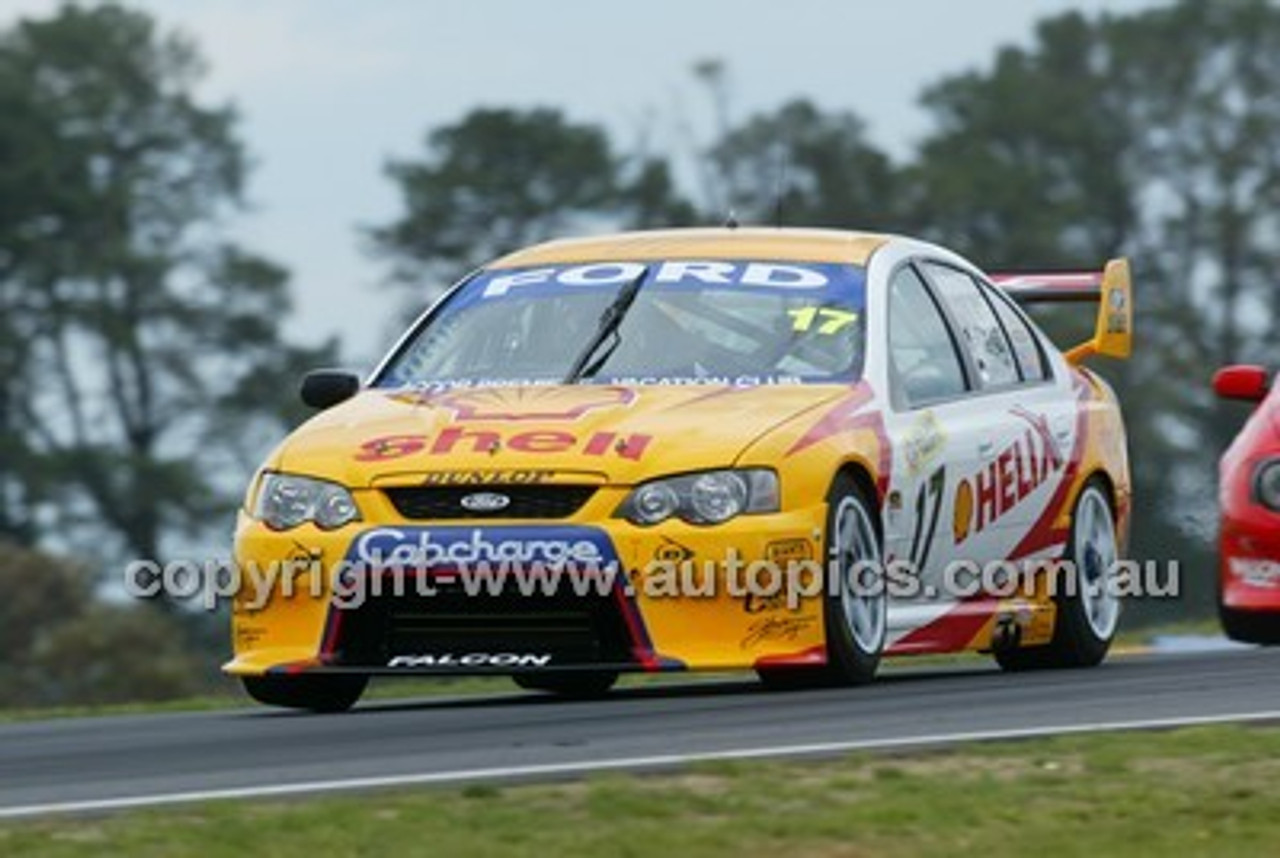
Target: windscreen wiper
(610, 321)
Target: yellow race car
(791, 451)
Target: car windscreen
(708, 321)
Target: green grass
(203, 703)
(1207, 791)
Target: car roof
(756, 243)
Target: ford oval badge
(485, 502)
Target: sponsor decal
(536, 403)
(734, 382)
(773, 275)
(247, 636)
(1020, 468)
(893, 509)
(1044, 532)
(471, 659)
(449, 547)
(788, 551)
(1264, 574)
(390, 447)
(963, 512)
(519, 477)
(671, 551)
(456, 439)
(485, 502)
(756, 603)
(776, 630)
(426, 393)
(923, 443)
(1117, 312)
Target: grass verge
(1207, 791)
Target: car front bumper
(678, 596)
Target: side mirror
(325, 388)
(1249, 383)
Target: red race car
(1249, 578)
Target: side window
(979, 328)
(1026, 349)
(922, 353)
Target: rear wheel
(855, 611)
(588, 683)
(333, 693)
(1088, 606)
(1254, 627)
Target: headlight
(709, 497)
(654, 502)
(286, 501)
(1267, 484)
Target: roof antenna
(781, 186)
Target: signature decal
(777, 629)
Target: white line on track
(662, 761)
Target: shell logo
(963, 514)
(533, 403)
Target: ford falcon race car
(1249, 495)
(789, 451)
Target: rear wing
(1111, 288)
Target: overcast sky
(329, 89)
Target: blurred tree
(800, 166)
(648, 198)
(1028, 162)
(796, 165)
(63, 647)
(1206, 133)
(1152, 135)
(21, 212)
(129, 320)
(502, 178)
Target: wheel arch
(1102, 476)
(860, 472)
(1120, 516)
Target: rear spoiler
(1111, 288)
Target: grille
(445, 502)
(572, 629)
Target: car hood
(621, 435)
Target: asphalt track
(101, 764)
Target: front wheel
(332, 693)
(1088, 605)
(855, 606)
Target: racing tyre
(1254, 627)
(332, 693)
(855, 613)
(1089, 606)
(583, 684)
